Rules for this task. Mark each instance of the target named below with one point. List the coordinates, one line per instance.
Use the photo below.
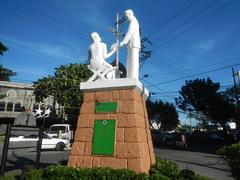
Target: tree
(233, 94)
(2, 48)
(64, 87)
(201, 99)
(164, 114)
(5, 73)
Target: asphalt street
(205, 164)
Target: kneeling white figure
(97, 55)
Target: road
(202, 163)
(16, 161)
(205, 164)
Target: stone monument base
(113, 127)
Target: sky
(189, 38)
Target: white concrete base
(126, 83)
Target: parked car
(216, 137)
(63, 131)
(47, 143)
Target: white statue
(97, 55)
(133, 42)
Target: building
(15, 97)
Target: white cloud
(62, 53)
(92, 10)
(207, 45)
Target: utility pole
(117, 35)
(117, 42)
(235, 84)
(236, 90)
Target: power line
(42, 21)
(195, 24)
(47, 18)
(159, 27)
(208, 65)
(169, 95)
(187, 21)
(185, 77)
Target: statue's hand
(114, 47)
(121, 44)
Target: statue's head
(95, 37)
(129, 14)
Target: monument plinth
(113, 127)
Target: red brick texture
(133, 144)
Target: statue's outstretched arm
(107, 55)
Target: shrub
(64, 172)
(34, 174)
(166, 168)
(187, 174)
(162, 170)
(63, 162)
(10, 177)
(232, 155)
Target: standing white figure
(133, 42)
(97, 55)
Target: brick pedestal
(133, 147)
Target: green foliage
(5, 73)
(34, 174)
(164, 113)
(162, 170)
(63, 172)
(166, 168)
(232, 155)
(186, 174)
(2, 48)
(63, 162)
(201, 99)
(64, 86)
(10, 177)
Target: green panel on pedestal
(104, 137)
(102, 107)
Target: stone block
(103, 96)
(120, 134)
(138, 108)
(84, 161)
(113, 163)
(115, 95)
(139, 165)
(84, 134)
(72, 162)
(112, 116)
(128, 107)
(130, 120)
(87, 108)
(130, 94)
(77, 149)
(88, 96)
(96, 162)
(135, 165)
(128, 150)
(102, 116)
(135, 135)
(119, 109)
(87, 149)
(83, 120)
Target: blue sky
(191, 38)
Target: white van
(62, 131)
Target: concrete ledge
(112, 84)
